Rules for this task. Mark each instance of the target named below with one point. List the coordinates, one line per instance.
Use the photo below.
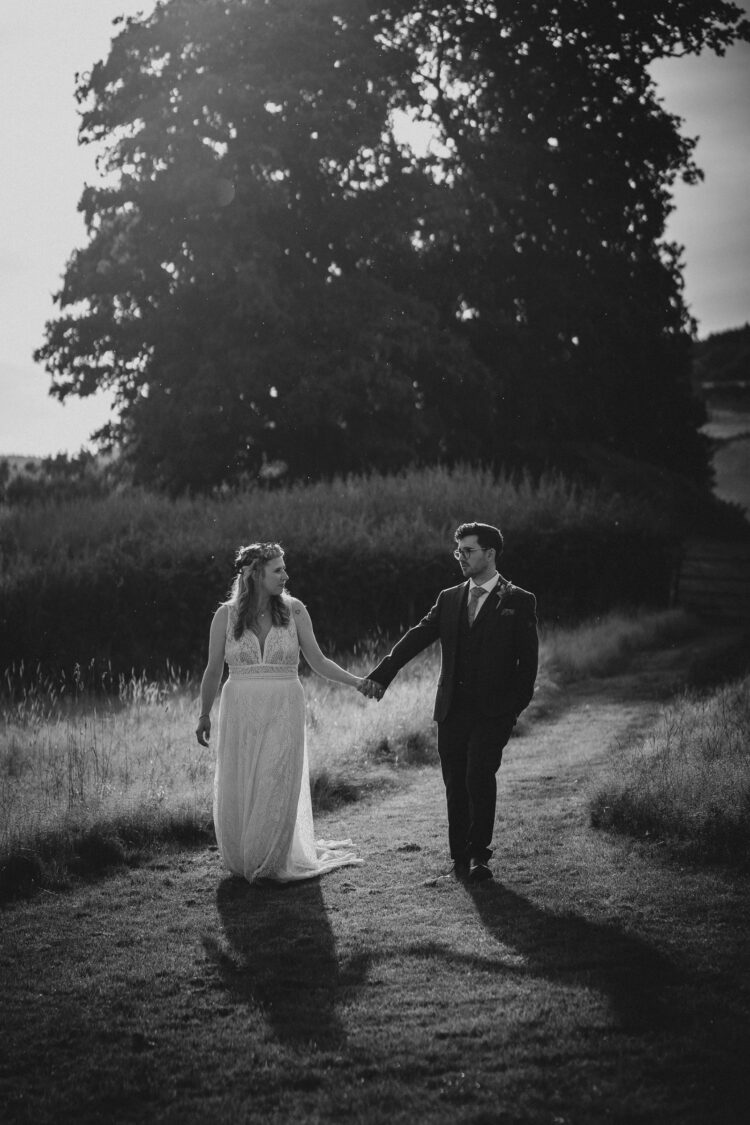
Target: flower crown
(256, 552)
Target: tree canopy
(347, 235)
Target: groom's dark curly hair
(487, 536)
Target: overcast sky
(44, 42)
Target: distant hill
(18, 464)
(721, 362)
(26, 479)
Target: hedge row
(120, 614)
(418, 509)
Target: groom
(487, 632)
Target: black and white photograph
(375, 562)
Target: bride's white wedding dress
(262, 806)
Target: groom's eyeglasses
(464, 552)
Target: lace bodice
(281, 645)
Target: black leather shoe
(479, 872)
(459, 869)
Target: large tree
(274, 273)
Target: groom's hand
(371, 689)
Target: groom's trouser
(471, 750)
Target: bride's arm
(311, 650)
(212, 675)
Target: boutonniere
(501, 592)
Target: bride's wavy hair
(249, 565)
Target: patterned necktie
(476, 593)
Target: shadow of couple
(635, 978)
(283, 955)
(280, 956)
(282, 959)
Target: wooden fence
(714, 580)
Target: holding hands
(370, 689)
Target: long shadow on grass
(282, 959)
(649, 995)
(567, 948)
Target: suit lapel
(457, 604)
(493, 601)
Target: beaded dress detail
(262, 805)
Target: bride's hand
(203, 730)
(370, 689)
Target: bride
(262, 805)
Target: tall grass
(689, 780)
(87, 780)
(605, 645)
(74, 766)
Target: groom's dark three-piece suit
(487, 674)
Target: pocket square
(507, 612)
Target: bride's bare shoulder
(297, 607)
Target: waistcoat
(467, 658)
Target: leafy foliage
(131, 581)
(723, 358)
(56, 479)
(274, 274)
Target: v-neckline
(262, 644)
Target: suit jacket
(508, 648)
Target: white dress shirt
(487, 587)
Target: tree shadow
(282, 959)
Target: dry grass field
(87, 781)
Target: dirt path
(593, 980)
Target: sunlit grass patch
(344, 727)
(356, 743)
(689, 780)
(87, 781)
(105, 754)
(109, 776)
(605, 645)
